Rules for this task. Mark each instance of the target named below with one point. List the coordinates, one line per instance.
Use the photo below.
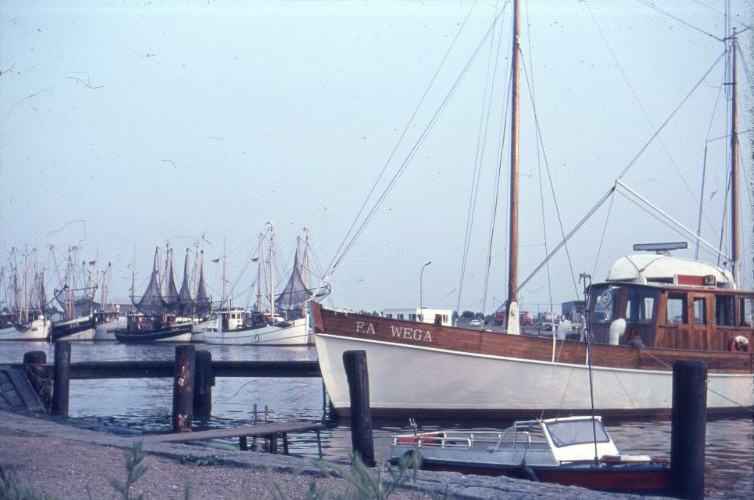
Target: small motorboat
(574, 451)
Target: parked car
(475, 322)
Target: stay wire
(670, 117)
(541, 186)
(389, 160)
(604, 231)
(651, 5)
(643, 110)
(552, 185)
(483, 128)
(415, 148)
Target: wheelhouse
(664, 308)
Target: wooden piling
(183, 388)
(61, 379)
(355, 363)
(688, 429)
(203, 382)
(39, 376)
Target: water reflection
(143, 405)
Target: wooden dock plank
(250, 431)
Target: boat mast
(271, 261)
(512, 324)
(225, 289)
(260, 261)
(734, 162)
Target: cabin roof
(645, 268)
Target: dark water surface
(144, 405)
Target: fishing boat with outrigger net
(76, 298)
(285, 322)
(652, 310)
(157, 319)
(27, 314)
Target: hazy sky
(181, 120)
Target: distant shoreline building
(427, 315)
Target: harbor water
(137, 406)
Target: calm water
(140, 405)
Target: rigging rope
(697, 202)
(552, 185)
(651, 5)
(484, 120)
(335, 259)
(338, 258)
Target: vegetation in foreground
(362, 483)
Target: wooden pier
(193, 373)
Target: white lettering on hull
(417, 334)
(367, 328)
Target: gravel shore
(67, 462)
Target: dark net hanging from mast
(295, 294)
(185, 301)
(152, 302)
(203, 302)
(171, 294)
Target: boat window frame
(602, 435)
(595, 294)
(642, 294)
(683, 298)
(730, 298)
(703, 300)
(742, 322)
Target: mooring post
(61, 379)
(183, 387)
(688, 428)
(355, 363)
(203, 382)
(38, 375)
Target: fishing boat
(155, 319)
(108, 317)
(573, 451)
(285, 322)
(76, 297)
(28, 315)
(651, 310)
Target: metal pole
(421, 290)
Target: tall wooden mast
(512, 304)
(734, 161)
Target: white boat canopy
(653, 268)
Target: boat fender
(523, 471)
(617, 329)
(739, 343)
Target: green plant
(200, 461)
(11, 490)
(134, 471)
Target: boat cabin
(670, 302)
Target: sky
(124, 125)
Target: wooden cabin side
(707, 319)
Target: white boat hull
(295, 334)
(39, 329)
(87, 334)
(417, 380)
(106, 331)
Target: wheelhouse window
(700, 311)
(412, 317)
(675, 311)
(724, 310)
(640, 306)
(604, 301)
(744, 311)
